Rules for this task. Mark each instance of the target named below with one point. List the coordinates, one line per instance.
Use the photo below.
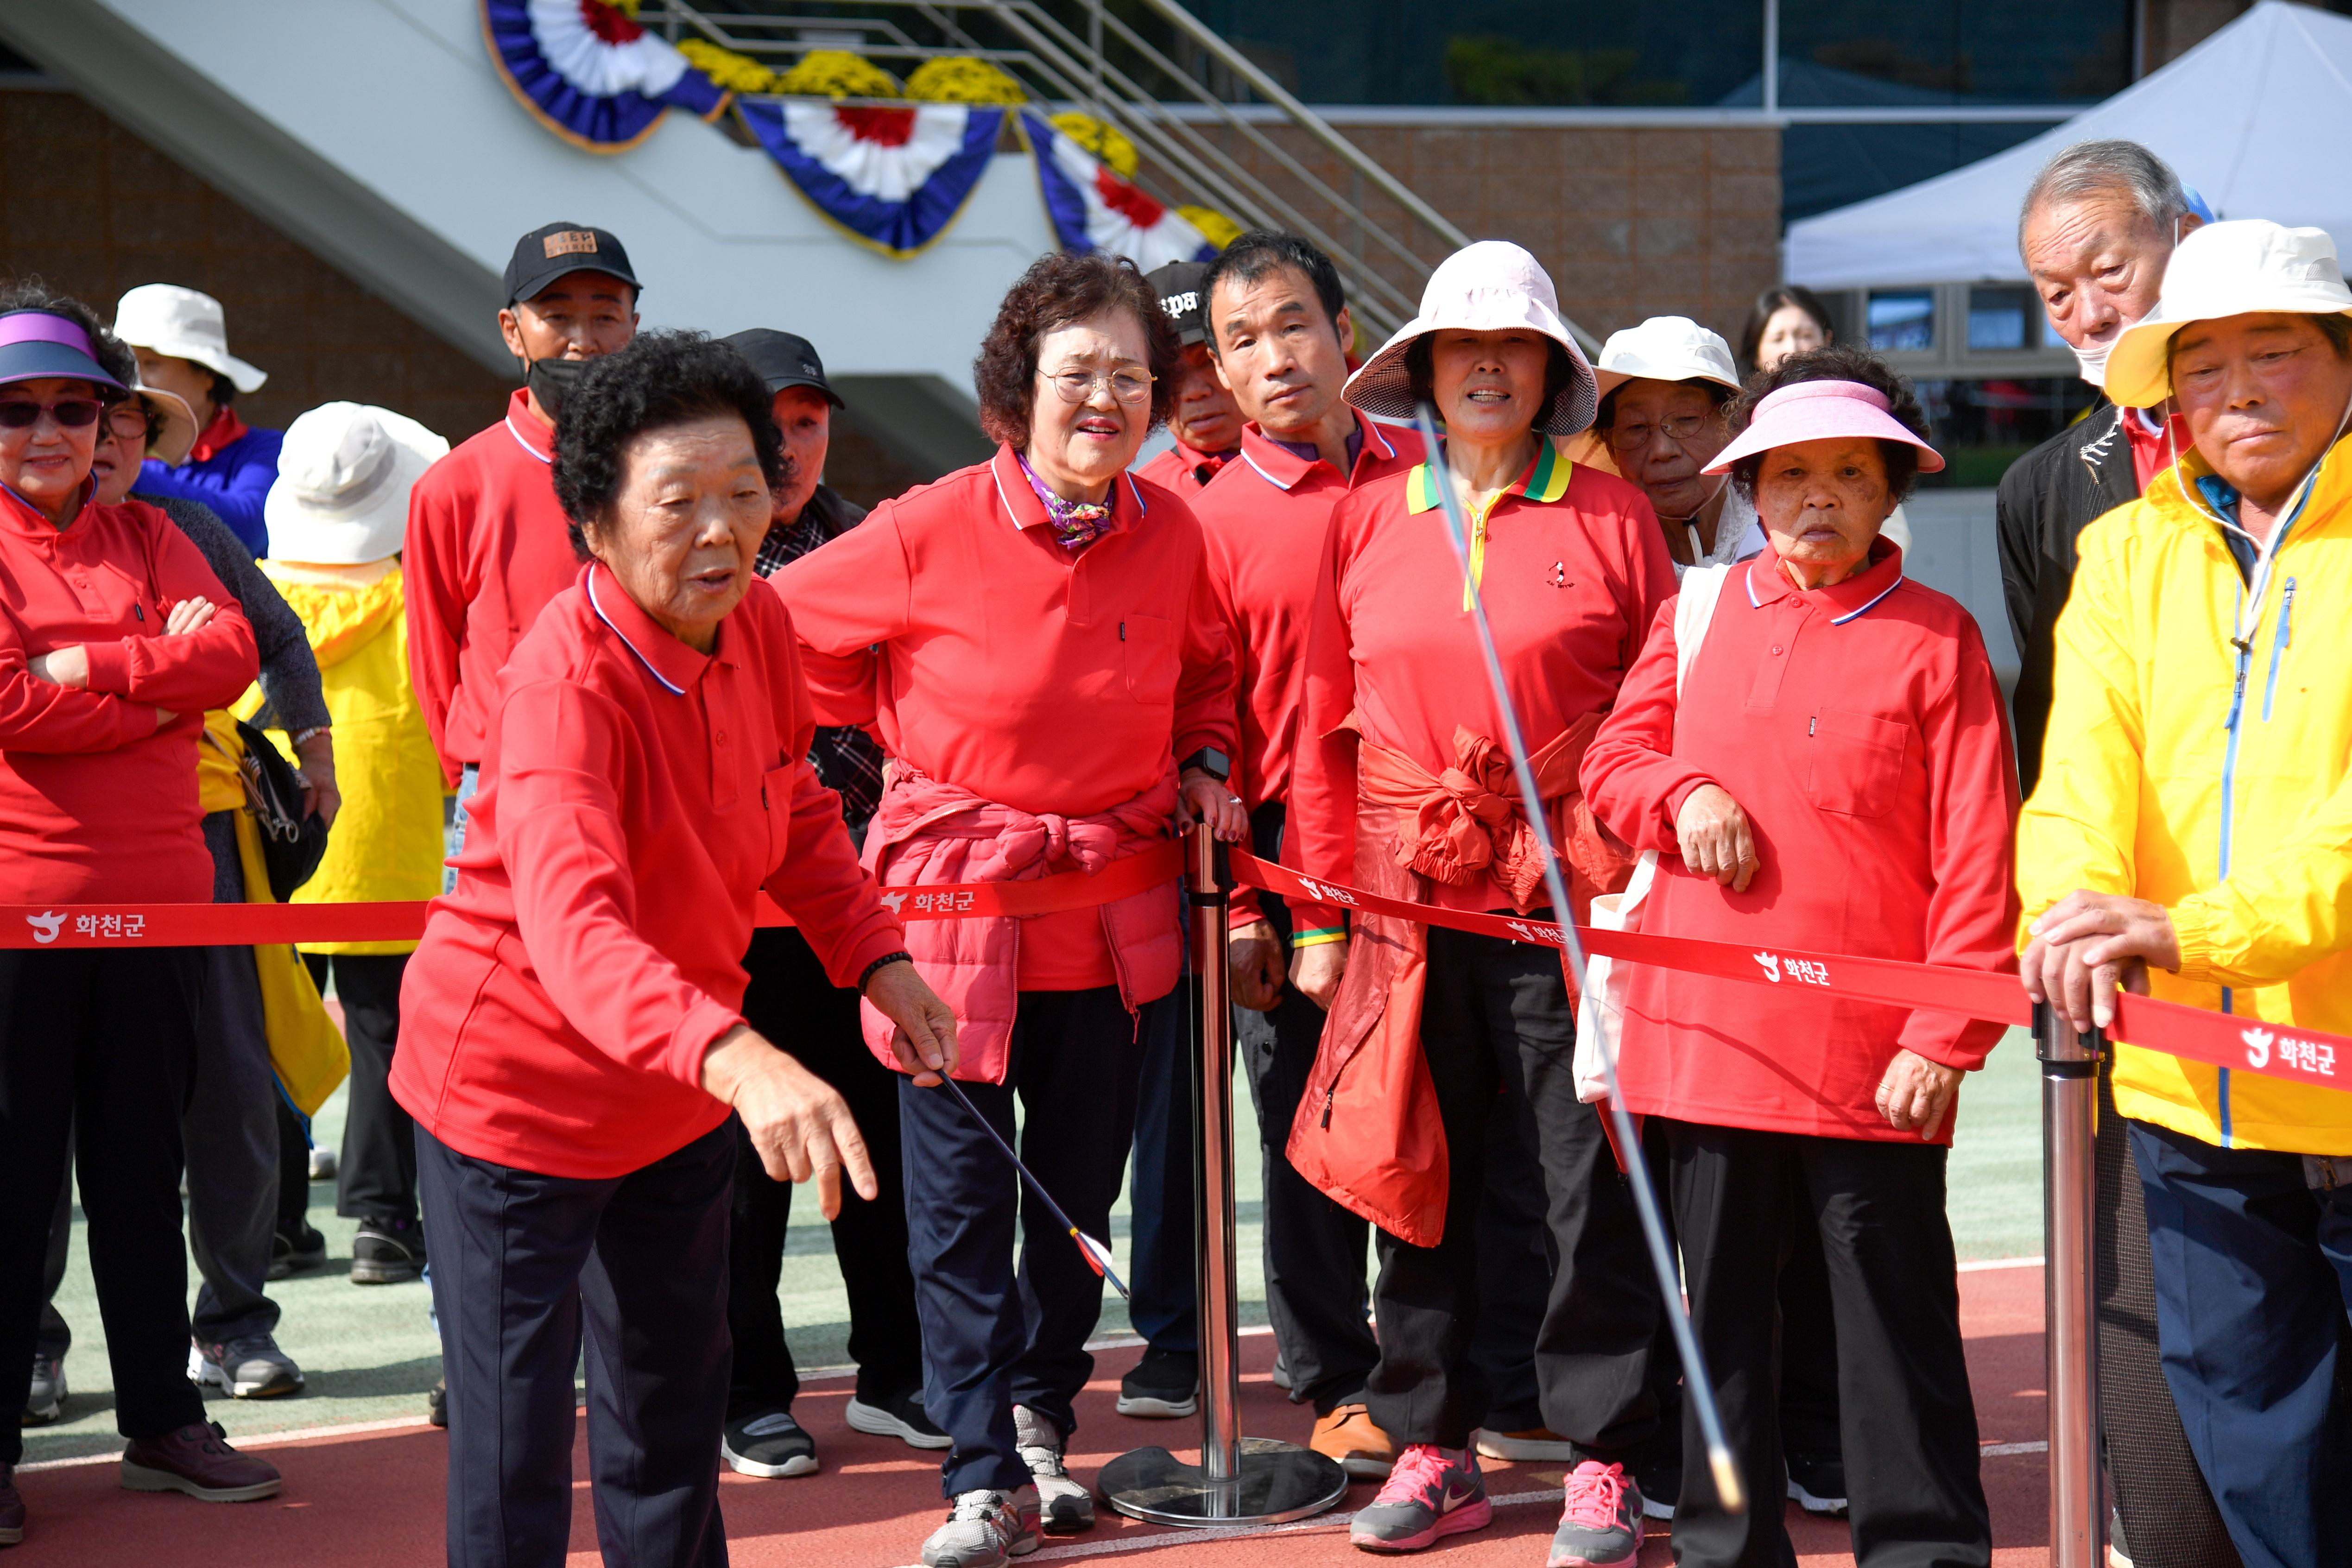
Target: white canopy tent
(2256, 118)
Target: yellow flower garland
(737, 73)
(961, 79)
(837, 73)
(1105, 141)
(1215, 226)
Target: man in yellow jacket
(2191, 836)
(336, 516)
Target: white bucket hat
(169, 319)
(1666, 348)
(2235, 269)
(343, 477)
(1490, 287)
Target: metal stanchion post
(2070, 1099)
(1239, 1480)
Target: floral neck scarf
(1077, 523)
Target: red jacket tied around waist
(1459, 827)
(928, 834)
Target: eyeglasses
(1078, 385)
(1680, 429)
(70, 413)
(129, 422)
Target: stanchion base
(1278, 1481)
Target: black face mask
(550, 379)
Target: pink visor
(1821, 410)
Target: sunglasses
(71, 413)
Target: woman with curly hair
(571, 1035)
(1034, 639)
(1812, 746)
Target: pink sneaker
(1601, 1525)
(1429, 1495)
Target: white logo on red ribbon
(45, 926)
(1772, 965)
(2310, 1055)
(893, 902)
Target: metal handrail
(1382, 271)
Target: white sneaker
(1065, 1507)
(322, 1165)
(985, 1530)
(248, 1368)
(45, 1396)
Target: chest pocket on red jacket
(1856, 763)
(776, 804)
(1147, 643)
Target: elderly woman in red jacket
(1034, 640)
(115, 636)
(1402, 785)
(1831, 771)
(572, 1042)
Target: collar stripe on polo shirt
(1544, 482)
(524, 441)
(1748, 579)
(666, 684)
(1141, 506)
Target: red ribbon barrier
(2242, 1045)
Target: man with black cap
(1206, 421)
(791, 998)
(487, 543)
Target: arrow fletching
(1098, 1256)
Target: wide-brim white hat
(184, 325)
(2242, 268)
(344, 476)
(1491, 287)
(178, 421)
(1666, 348)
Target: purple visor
(36, 345)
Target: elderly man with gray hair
(2096, 231)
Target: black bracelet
(901, 957)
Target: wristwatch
(1210, 760)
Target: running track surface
(374, 1497)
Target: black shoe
(769, 1445)
(1817, 1483)
(901, 1417)
(436, 1404)
(1165, 1384)
(296, 1253)
(1660, 1482)
(387, 1252)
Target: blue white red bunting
(1094, 209)
(894, 177)
(590, 73)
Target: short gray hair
(2107, 168)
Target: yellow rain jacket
(2215, 780)
(387, 842)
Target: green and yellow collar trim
(1545, 480)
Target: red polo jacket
(634, 794)
(1860, 728)
(488, 547)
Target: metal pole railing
(2070, 1101)
(1239, 1480)
(1212, 1166)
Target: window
(1901, 320)
(2001, 320)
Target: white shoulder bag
(1599, 1020)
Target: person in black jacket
(2096, 231)
(790, 998)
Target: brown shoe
(11, 1508)
(1348, 1435)
(196, 1459)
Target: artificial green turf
(370, 1355)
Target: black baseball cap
(551, 250)
(1180, 295)
(783, 360)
